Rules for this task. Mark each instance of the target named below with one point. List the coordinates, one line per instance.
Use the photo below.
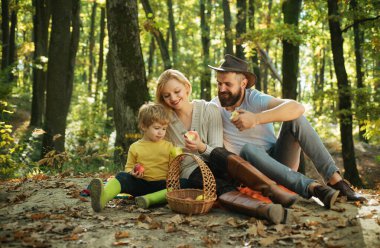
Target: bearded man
(248, 116)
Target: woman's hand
(194, 144)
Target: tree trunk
(290, 56)
(91, 48)
(99, 74)
(227, 28)
(5, 44)
(172, 32)
(128, 72)
(205, 9)
(152, 48)
(41, 21)
(5, 34)
(344, 90)
(12, 38)
(241, 27)
(150, 26)
(110, 96)
(361, 98)
(267, 47)
(267, 60)
(62, 53)
(321, 82)
(255, 57)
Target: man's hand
(245, 120)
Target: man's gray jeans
(276, 163)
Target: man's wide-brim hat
(234, 64)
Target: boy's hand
(138, 171)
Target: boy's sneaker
(96, 189)
(141, 202)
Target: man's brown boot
(346, 190)
(326, 194)
(245, 204)
(244, 172)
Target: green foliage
(8, 147)
(88, 146)
(372, 129)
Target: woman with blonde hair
(204, 120)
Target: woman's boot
(148, 200)
(100, 194)
(245, 204)
(243, 172)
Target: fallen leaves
(39, 216)
(121, 234)
(268, 241)
(71, 237)
(38, 222)
(120, 243)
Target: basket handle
(172, 181)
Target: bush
(8, 147)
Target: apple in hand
(175, 151)
(234, 115)
(139, 168)
(191, 135)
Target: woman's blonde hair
(165, 77)
(150, 113)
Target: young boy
(147, 161)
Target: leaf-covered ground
(49, 212)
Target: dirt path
(48, 212)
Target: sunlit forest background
(74, 73)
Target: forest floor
(49, 212)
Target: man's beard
(227, 99)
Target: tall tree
(12, 37)
(62, 53)
(110, 96)
(99, 74)
(290, 55)
(265, 69)
(241, 27)
(5, 47)
(361, 96)
(4, 34)
(205, 9)
(152, 48)
(128, 72)
(227, 28)
(172, 32)
(150, 26)
(319, 83)
(41, 21)
(344, 92)
(91, 47)
(255, 57)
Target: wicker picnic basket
(179, 199)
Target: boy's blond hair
(150, 113)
